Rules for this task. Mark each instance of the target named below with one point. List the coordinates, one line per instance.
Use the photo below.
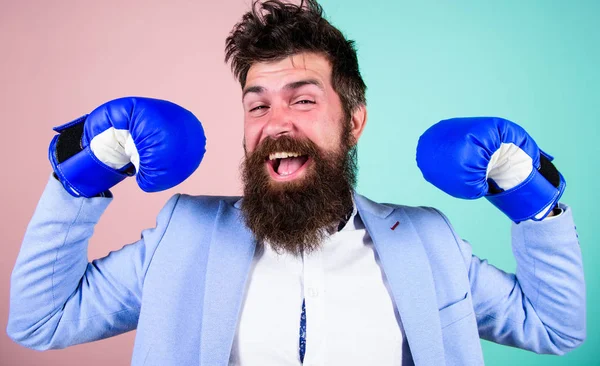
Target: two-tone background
(535, 62)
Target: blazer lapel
(229, 259)
(406, 266)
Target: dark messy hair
(274, 30)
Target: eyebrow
(291, 86)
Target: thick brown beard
(294, 217)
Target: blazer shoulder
(209, 199)
(189, 212)
(425, 219)
(385, 209)
(419, 212)
(204, 202)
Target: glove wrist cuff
(529, 199)
(83, 174)
(77, 168)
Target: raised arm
(57, 298)
(541, 307)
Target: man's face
(300, 164)
(294, 98)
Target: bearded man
(302, 269)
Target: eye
(258, 107)
(305, 101)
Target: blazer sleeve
(57, 298)
(542, 307)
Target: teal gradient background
(534, 62)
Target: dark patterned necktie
(302, 343)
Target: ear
(358, 121)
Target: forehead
(274, 74)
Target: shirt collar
(351, 221)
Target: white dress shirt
(351, 318)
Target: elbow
(567, 330)
(28, 337)
(568, 344)
(23, 340)
(563, 344)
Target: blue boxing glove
(492, 157)
(158, 141)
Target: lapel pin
(395, 225)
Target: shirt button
(312, 292)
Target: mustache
(270, 145)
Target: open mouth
(286, 165)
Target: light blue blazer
(182, 284)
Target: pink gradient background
(59, 60)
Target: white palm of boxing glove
(116, 149)
(509, 167)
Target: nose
(279, 123)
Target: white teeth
(282, 155)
